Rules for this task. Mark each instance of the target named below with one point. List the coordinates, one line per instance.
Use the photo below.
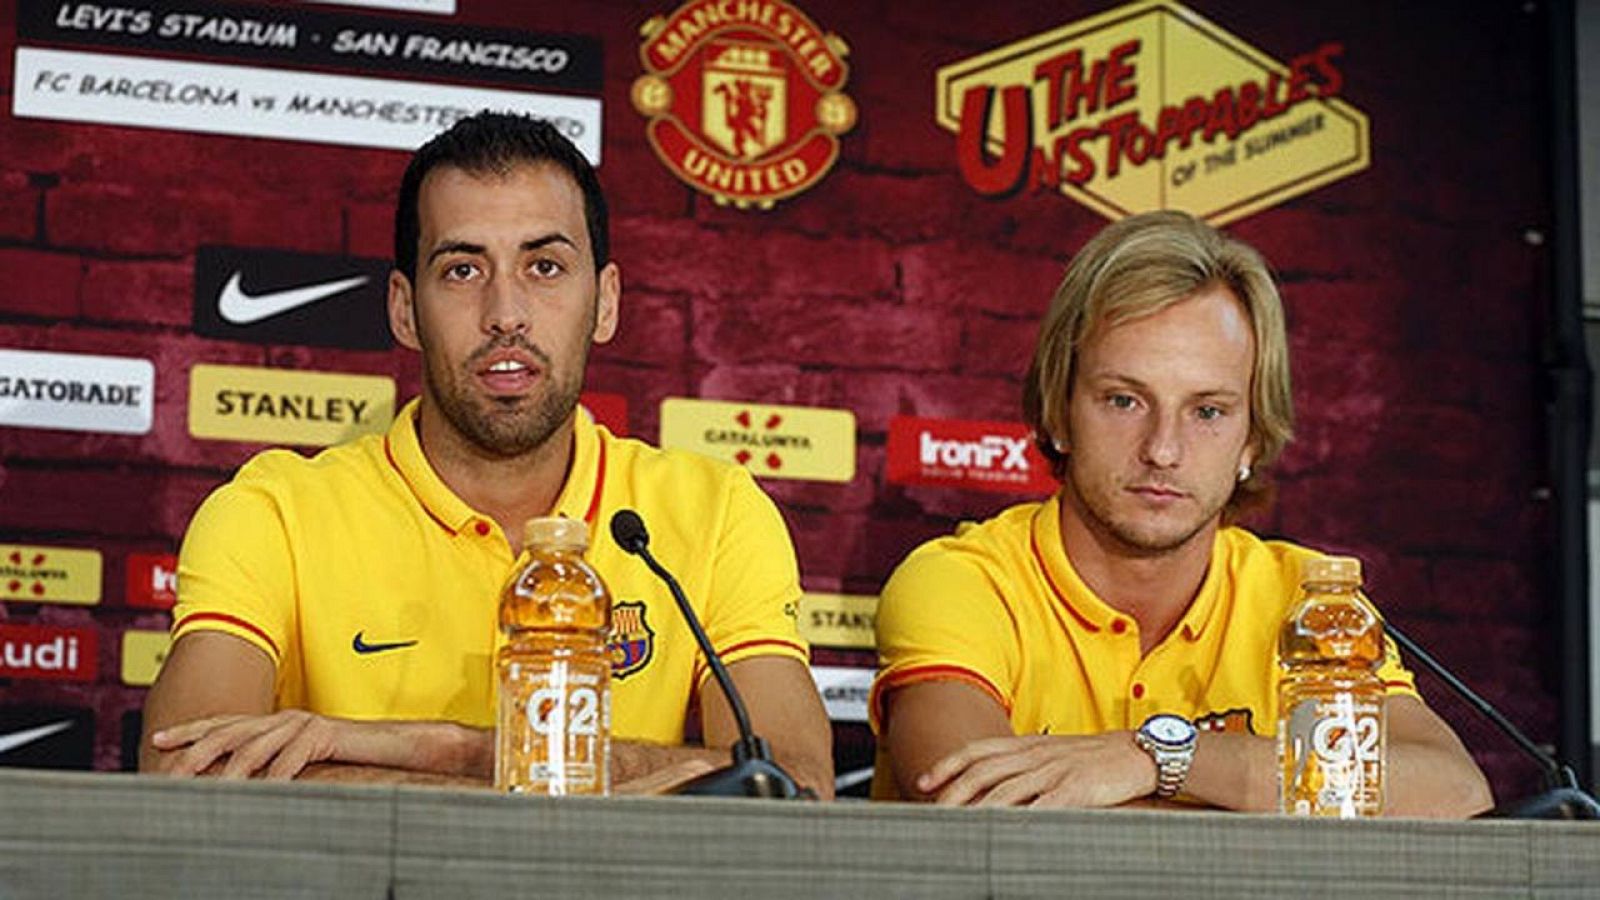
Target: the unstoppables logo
(745, 98)
(48, 653)
(985, 456)
(1151, 106)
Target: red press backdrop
(1415, 291)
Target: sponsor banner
(31, 574)
(303, 37)
(839, 620)
(132, 732)
(283, 297)
(745, 101)
(977, 455)
(844, 691)
(1151, 106)
(272, 103)
(610, 410)
(77, 392)
(46, 737)
(48, 652)
(143, 652)
(151, 581)
(286, 406)
(796, 442)
(440, 7)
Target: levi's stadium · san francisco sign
(745, 98)
(1151, 106)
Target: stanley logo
(284, 406)
(839, 620)
(143, 652)
(49, 575)
(794, 442)
(745, 99)
(1151, 106)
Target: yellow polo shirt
(999, 606)
(375, 589)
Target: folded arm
(211, 713)
(951, 743)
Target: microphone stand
(1561, 799)
(753, 772)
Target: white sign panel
(844, 691)
(76, 392)
(212, 98)
(439, 7)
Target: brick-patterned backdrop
(1415, 292)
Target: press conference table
(102, 835)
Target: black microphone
(1561, 799)
(753, 772)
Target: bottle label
(554, 729)
(1331, 749)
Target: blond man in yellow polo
(336, 615)
(1117, 642)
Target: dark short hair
(493, 143)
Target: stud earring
(1244, 472)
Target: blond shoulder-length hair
(1137, 267)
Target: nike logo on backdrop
(362, 647)
(241, 308)
(10, 742)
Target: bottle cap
(1336, 569)
(556, 531)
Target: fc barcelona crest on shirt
(745, 100)
(633, 641)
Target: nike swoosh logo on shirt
(241, 308)
(10, 742)
(361, 646)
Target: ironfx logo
(152, 580)
(990, 452)
(985, 456)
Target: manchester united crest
(745, 99)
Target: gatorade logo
(1342, 739)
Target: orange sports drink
(1332, 734)
(553, 724)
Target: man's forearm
(1239, 771)
(635, 759)
(1234, 771)
(347, 773)
(1432, 782)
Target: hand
(663, 780)
(1043, 770)
(276, 746)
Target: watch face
(1169, 729)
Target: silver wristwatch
(1170, 742)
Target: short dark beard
(507, 434)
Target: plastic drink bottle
(553, 724)
(1332, 734)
